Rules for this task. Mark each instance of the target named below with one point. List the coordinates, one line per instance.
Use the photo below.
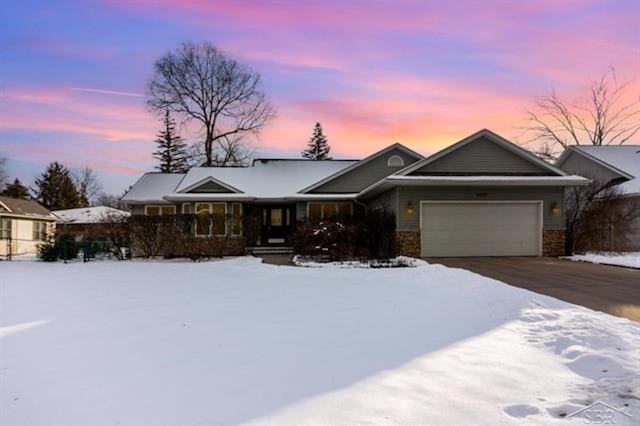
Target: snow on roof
(151, 187)
(623, 157)
(268, 179)
(88, 214)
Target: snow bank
(237, 341)
(630, 259)
(396, 262)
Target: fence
(65, 249)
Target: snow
(151, 187)
(622, 157)
(628, 259)
(89, 214)
(237, 341)
(269, 179)
(507, 180)
(397, 262)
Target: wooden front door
(276, 224)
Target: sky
(422, 73)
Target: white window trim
(336, 204)
(160, 207)
(183, 206)
(210, 210)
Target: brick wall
(408, 243)
(553, 242)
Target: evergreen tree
(16, 190)
(171, 151)
(56, 190)
(318, 147)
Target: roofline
(395, 180)
(365, 160)
(33, 216)
(576, 149)
(516, 149)
(6, 207)
(204, 197)
(301, 159)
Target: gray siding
(580, 165)
(482, 157)
(416, 194)
(210, 187)
(387, 200)
(361, 177)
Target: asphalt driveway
(611, 289)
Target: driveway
(610, 289)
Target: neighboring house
(483, 196)
(88, 222)
(615, 165)
(24, 225)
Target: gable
(482, 156)
(368, 172)
(210, 186)
(579, 163)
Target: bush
(62, 247)
(330, 240)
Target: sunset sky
(423, 73)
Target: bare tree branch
(198, 82)
(605, 116)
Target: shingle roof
(23, 207)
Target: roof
(271, 179)
(621, 159)
(492, 136)
(395, 180)
(88, 214)
(25, 208)
(151, 187)
(357, 164)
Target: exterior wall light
(555, 209)
(409, 209)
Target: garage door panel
(480, 229)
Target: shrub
(329, 240)
(62, 247)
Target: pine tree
(171, 151)
(56, 190)
(318, 147)
(16, 190)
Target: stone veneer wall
(553, 242)
(408, 243)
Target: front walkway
(611, 289)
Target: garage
(480, 228)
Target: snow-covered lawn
(629, 259)
(235, 341)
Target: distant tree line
(57, 188)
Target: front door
(276, 224)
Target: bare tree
(608, 115)
(598, 217)
(109, 200)
(3, 172)
(87, 183)
(200, 83)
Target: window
(186, 208)
(236, 219)
(395, 161)
(5, 229)
(159, 210)
(320, 211)
(212, 219)
(39, 231)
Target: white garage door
(459, 228)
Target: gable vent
(395, 161)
